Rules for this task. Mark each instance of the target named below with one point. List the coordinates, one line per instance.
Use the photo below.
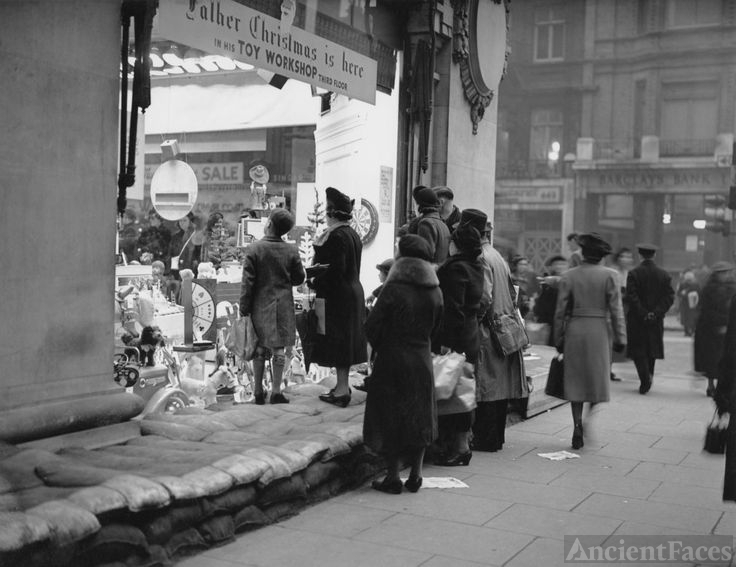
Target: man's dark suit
(649, 294)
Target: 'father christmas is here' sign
(224, 27)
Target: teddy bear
(150, 339)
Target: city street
(641, 472)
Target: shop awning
(221, 106)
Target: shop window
(690, 13)
(549, 34)
(546, 139)
(689, 118)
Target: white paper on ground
(441, 482)
(559, 455)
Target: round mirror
(173, 189)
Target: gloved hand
(721, 402)
(619, 347)
(650, 317)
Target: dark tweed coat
(648, 289)
(726, 391)
(400, 409)
(344, 343)
(270, 268)
(710, 328)
(434, 230)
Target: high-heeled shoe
(459, 460)
(340, 401)
(577, 436)
(413, 483)
(388, 486)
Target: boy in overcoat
(270, 268)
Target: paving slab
(607, 484)
(430, 503)
(689, 476)
(658, 513)
(440, 537)
(538, 521)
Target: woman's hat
(475, 218)
(385, 266)
(339, 201)
(425, 197)
(414, 246)
(722, 267)
(593, 243)
(467, 238)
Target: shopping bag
(555, 386)
(251, 339)
(716, 434)
(235, 335)
(447, 369)
(463, 399)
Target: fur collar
(413, 271)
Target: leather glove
(619, 347)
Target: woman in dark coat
(338, 286)
(725, 399)
(462, 285)
(400, 411)
(710, 329)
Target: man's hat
(592, 242)
(425, 197)
(443, 191)
(722, 267)
(340, 201)
(646, 247)
(385, 266)
(475, 218)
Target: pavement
(642, 471)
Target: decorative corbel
(465, 53)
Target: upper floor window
(546, 138)
(549, 34)
(690, 13)
(689, 118)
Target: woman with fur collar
(400, 412)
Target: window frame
(670, 10)
(549, 20)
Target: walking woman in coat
(725, 399)
(715, 300)
(400, 411)
(589, 294)
(270, 268)
(338, 286)
(461, 282)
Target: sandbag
(98, 499)
(140, 493)
(18, 530)
(243, 468)
(69, 522)
(172, 430)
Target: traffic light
(717, 216)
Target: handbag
(716, 434)
(447, 370)
(555, 386)
(307, 324)
(510, 333)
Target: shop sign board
(715, 179)
(384, 198)
(528, 195)
(227, 173)
(224, 27)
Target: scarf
(322, 237)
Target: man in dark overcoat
(649, 294)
